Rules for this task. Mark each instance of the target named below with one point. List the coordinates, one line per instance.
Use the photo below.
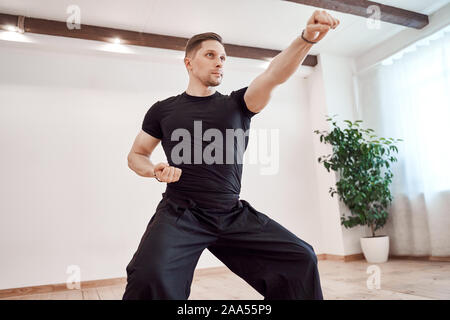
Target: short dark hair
(194, 43)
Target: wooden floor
(400, 279)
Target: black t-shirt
(184, 120)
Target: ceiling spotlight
(12, 28)
(116, 40)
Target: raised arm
(284, 64)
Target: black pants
(270, 258)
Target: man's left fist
(318, 25)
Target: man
(201, 207)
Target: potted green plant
(360, 158)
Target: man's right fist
(320, 22)
(166, 173)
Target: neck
(200, 90)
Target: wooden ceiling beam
(390, 14)
(89, 32)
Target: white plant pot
(375, 249)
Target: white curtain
(408, 97)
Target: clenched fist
(318, 25)
(166, 173)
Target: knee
(308, 254)
(152, 273)
(304, 262)
(143, 284)
(313, 256)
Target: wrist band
(312, 42)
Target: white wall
(341, 100)
(69, 115)
(331, 240)
(332, 92)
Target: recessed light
(12, 28)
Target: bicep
(259, 91)
(144, 144)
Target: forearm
(141, 164)
(284, 64)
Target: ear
(187, 62)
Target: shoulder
(238, 96)
(168, 100)
(238, 93)
(161, 105)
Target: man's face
(207, 65)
